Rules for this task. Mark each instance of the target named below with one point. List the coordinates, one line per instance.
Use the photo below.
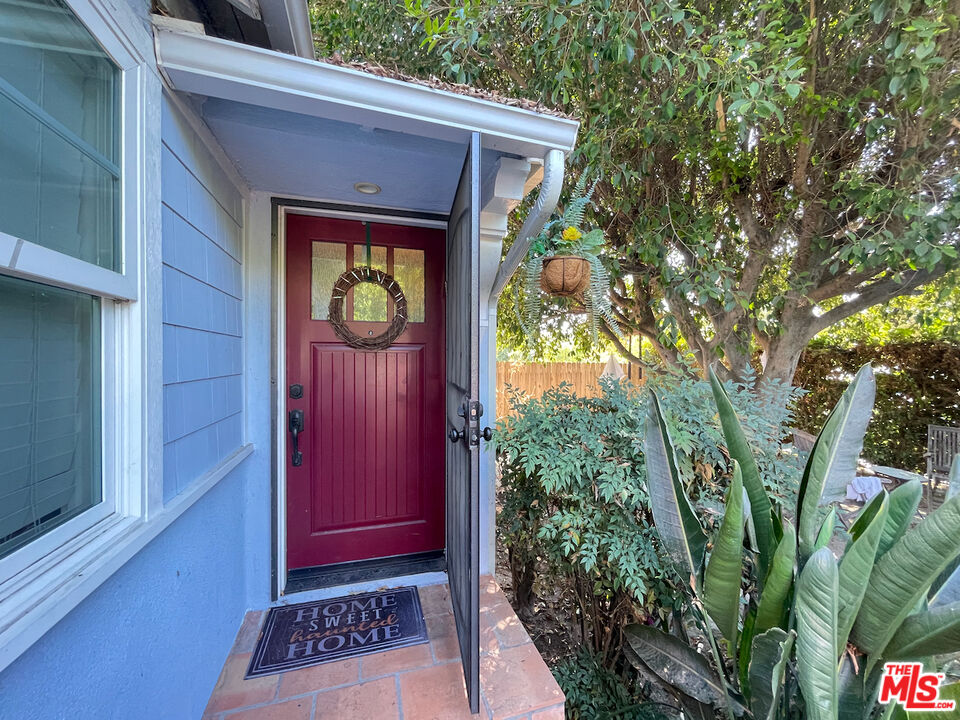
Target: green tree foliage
(918, 384)
(770, 168)
(930, 315)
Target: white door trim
(280, 208)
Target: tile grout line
(319, 691)
(407, 671)
(486, 702)
(396, 678)
(268, 703)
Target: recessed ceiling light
(367, 188)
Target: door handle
(455, 435)
(296, 427)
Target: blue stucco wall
(149, 643)
(202, 308)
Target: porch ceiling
(304, 128)
(299, 155)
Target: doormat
(297, 636)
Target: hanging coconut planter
(564, 262)
(565, 275)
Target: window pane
(369, 300)
(49, 409)
(328, 263)
(408, 271)
(59, 104)
(50, 58)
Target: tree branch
(874, 293)
(621, 348)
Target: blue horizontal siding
(202, 308)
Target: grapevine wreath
(350, 279)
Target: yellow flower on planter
(571, 234)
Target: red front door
(371, 480)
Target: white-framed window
(71, 159)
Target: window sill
(35, 600)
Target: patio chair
(942, 444)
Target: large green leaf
(770, 656)
(773, 599)
(934, 632)
(833, 460)
(680, 529)
(946, 588)
(953, 482)
(760, 507)
(858, 694)
(816, 612)
(745, 649)
(903, 505)
(857, 563)
(675, 662)
(902, 577)
(721, 580)
(826, 529)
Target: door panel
(372, 402)
(462, 412)
(371, 481)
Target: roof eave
(220, 68)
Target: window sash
(65, 133)
(29, 260)
(121, 323)
(33, 552)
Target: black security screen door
(463, 417)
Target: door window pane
(329, 262)
(369, 300)
(50, 454)
(408, 271)
(59, 100)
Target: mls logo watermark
(911, 687)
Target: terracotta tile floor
(423, 682)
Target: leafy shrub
(595, 693)
(574, 501)
(765, 411)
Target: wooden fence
(535, 378)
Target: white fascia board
(232, 71)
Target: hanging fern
(532, 302)
(598, 297)
(563, 235)
(573, 213)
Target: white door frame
(280, 208)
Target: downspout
(553, 165)
(288, 26)
(546, 203)
(299, 18)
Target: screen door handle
(296, 427)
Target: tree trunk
(737, 355)
(522, 574)
(781, 360)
